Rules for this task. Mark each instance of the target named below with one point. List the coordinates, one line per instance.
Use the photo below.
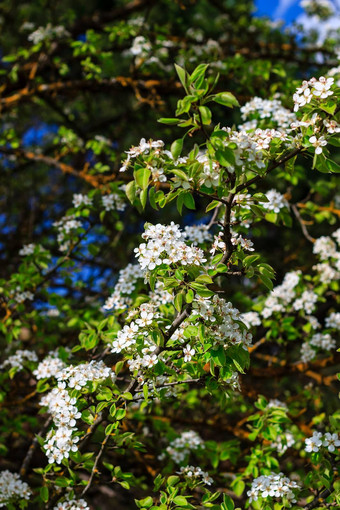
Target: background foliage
(80, 84)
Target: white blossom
(274, 485)
(313, 443)
(12, 489)
(18, 359)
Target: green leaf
(201, 289)
(238, 487)
(172, 480)
(180, 501)
(178, 301)
(189, 297)
(226, 99)
(169, 121)
(189, 201)
(61, 481)
(44, 494)
(212, 205)
(119, 365)
(267, 281)
(204, 278)
(198, 72)
(333, 166)
(146, 502)
(176, 148)
(120, 414)
(333, 140)
(205, 115)
(225, 157)
(130, 191)
(248, 261)
(142, 177)
(145, 391)
(228, 503)
(152, 198)
(144, 197)
(182, 75)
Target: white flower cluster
(251, 144)
(12, 489)
(49, 366)
(283, 442)
(310, 89)
(79, 200)
(78, 376)
(313, 321)
(18, 359)
(306, 302)
(27, 249)
(165, 245)
(197, 473)
(250, 319)
(72, 504)
(332, 126)
(268, 109)
(140, 45)
(65, 227)
(274, 402)
(181, 447)
(126, 284)
(335, 71)
(234, 381)
(144, 147)
(276, 201)
(318, 440)
(138, 330)
(47, 33)
(113, 201)
(21, 296)
(188, 352)
(275, 486)
(197, 234)
(53, 312)
(126, 337)
(333, 320)
(62, 407)
(223, 320)
(327, 250)
(147, 53)
(210, 175)
(281, 295)
(236, 239)
(321, 341)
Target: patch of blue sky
(38, 133)
(291, 12)
(285, 10)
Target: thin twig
(94, 469)
(27, 460)
(318, 500)
(213, 218)
(302, 224)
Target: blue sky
(288, 10)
